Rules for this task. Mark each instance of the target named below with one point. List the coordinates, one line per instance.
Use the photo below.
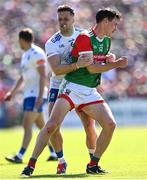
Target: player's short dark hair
(108, 13)
(66, 8)
(26, 34)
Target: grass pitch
(126, 157)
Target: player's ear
(105, 20)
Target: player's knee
(28, 131)
(27, 127)
(111, 126)
(51, 127)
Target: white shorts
(55, 82)
(79, 96)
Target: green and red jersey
(88, 42)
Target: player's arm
(41, 71)
(86, 52)
(12, 92)
(55, 62)
(99, 68)
(58, 68)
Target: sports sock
(94, 161)
(32, 162)
(60, 157)
(21, 153)
(91, 152)
(51, 148)
(52, 152)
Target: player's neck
(99, 31)
(68, 32)
(27, 47)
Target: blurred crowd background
(130, 40)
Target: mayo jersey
(31, 59)
(62, 46)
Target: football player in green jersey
(79, 87)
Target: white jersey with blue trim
(62, 46)
(31, 59)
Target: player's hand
(100, 89)
(38, 103)
(122, 62)
(85, 60)
(110, 57)
(8, 96)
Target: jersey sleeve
(39, 60)
(83, 45)
(51, 49)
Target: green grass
(126, 157)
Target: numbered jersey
(31, 59)
(62, 46)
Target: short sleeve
(83, 44)
(39, 60)
(51, 49)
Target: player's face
(111, 27)
(66, 20)
(22, 43)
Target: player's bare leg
(56, 142)
(40, 124)
(28, 120)
(55, 120)
(103, 115)
(89, 127)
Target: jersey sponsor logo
(56, 38)
(61, 46)
(99, 58)
(101, 48)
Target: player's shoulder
(37, 51)
(84, 35)
(54, 39)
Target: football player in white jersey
(34, 71)
(58, 50)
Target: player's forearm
(99, 68)
(17, 85)
(65, 68)
(42, 83)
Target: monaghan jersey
(31, 59)
(88, 42)
(62, 46)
